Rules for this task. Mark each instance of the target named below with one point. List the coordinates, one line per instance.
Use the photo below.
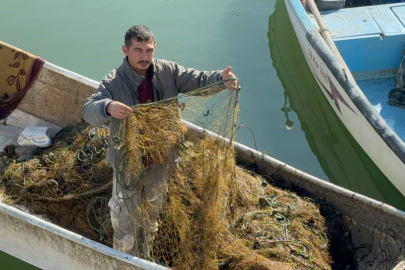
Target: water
(10, 263)
(277, 88)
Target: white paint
(71, 74)
(400, 266)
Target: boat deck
(9, 135)
(15, 124)
(376, 91)
(371, 39)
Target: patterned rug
(18, 69)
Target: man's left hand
(227, 73)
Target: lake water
(280, 101)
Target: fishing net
(212, 214)
(68, 182)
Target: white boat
(355, 65)
(55, 99)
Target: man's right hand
(226, 74)
(118, 110)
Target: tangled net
(68, 182)
(215, 215)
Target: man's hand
(228, 74)
(118, 110)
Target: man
(140, 79)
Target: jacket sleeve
(191, 79)
(94, 110)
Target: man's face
(140, 55)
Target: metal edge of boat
(371, 124)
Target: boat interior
(371, 40)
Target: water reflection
(286, 109)
(341, 158)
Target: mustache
(144, 62)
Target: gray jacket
(121, 84)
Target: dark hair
(140, 33)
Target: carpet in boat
(18, 69)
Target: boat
(354, 54)
(55, 99)
(342, 159)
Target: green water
(257, 41)
(10, 263)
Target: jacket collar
(132, 75)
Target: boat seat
(376, 43)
